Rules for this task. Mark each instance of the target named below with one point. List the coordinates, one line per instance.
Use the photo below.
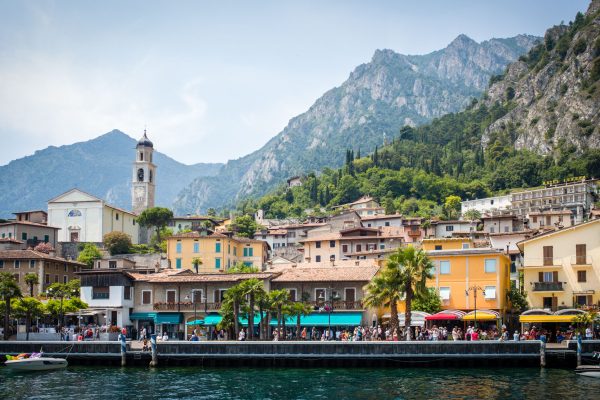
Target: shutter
(589, 300)
(540, 277)
(580, 251)
(554, 303)
(555, 276)
(548, 255)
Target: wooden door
(580, 254)
(170, 296)
(350, 296)
(548, 255)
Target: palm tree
(31, 279)
(28, 308)
(9, 289)
(299, 309)
(196, 261)
(279, 299)
(253, 288)
(385, 290)
(414, 269)
(235, 297)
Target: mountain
(537, 122)
(390, 91)
(555, 91)
(101, 166)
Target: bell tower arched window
(150, 175)
(141, 156)
(140, 175)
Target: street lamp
(328, 307)
(474, 289)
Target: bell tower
(144, 176)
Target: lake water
(247, 383)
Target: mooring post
(578, 349)
(154, 361)
(542, 351)
(122, 338)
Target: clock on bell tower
(143, 177)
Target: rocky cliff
(379, 97)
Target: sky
(212, 80)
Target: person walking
(142, 334)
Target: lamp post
(474, 289)
(328, 307)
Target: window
(65, 279)
(196, 247)
(112, 264)
(548, 255)
(47, 278)
(217, 263)
(449, 228)
(217, 247)
(250, 252)
(318, 244)
(547, 277)
(490, 292)
(31, 263)
(24, 236)
(46, 238)
(465, 245)
(344, 248)
(1, 263)
(17, 264)
(318, 258)
(67, 268)
(381, 246)
(100, 292)
(55, 278)
(146, 296)
(581, 252)
(490, 266)
(197, 296)
(292, 294)
(358, 248)
(581, 276)
(506, 229)
(178, 263)
(178, 248)
(438, 247)
(320, 295)
(332, 243)
(127, 293)
(332, 257)
(170, 296)
(228, 248)
(245, 254)
(491, 229)
(235, 251)
(445, 293)
(387, 223)
(444, 267)
(117, 216)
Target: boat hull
(37, 364)
(592, 371)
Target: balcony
(544, 262)
(581, 261)
(187, 306)
(338, 305)
(101, 296)
(415, 233)
(548, 287)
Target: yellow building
(218, 252)
(459, 268)
(562, 268)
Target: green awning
(212, 319)
(322, 319)
(142, 315)
(195, 322)
(244, 319)
(168, 318)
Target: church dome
(144, 141)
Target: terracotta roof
(11, 240)
(463, 252)
(29, 223)
(381, 216)
(30, 211)
(561, 212)
(213, 277)
(199, 218)
(328, 274)
(453, 221)
(34, 255)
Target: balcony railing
(187, 306)
(542, 262)
(581, 260)
(338, 305)
(548, 286)
(416, 233)
(99, 296)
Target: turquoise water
(247, 383)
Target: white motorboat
(588, 370)
(36, 363)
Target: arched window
(74, 213)
(141, 156)
(140, 175)
(150, 175)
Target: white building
(382, 220)
(447, 229)
(487, 205)
(82, 217)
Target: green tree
(230, 309)
(252, 289)
(452, 207)
(9, 289)
(157, 218)
(196, 262)
(280, 299)
(472, 215)
(61, 291)
(117, 243)
(241, 268)
(430, 302)
(89, 254)
(28, 308)
(383, 291)
(414, 268)
(245, 226)
(31, 279)
(516, 298)
(299, 309)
